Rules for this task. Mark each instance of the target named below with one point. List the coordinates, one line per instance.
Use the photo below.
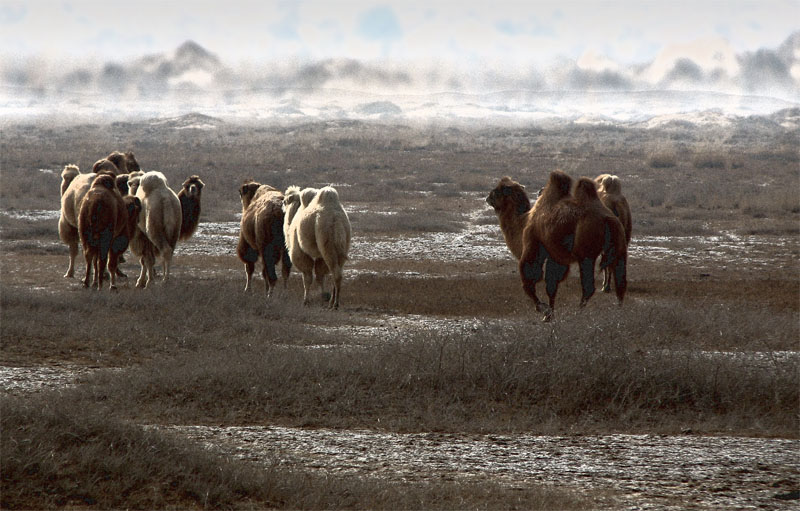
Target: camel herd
(117, 206)
(570, 222)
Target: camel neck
(512, 224)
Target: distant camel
(609, 189)
(261, 234)
(106, 223)
(74, 187)
(118, 163)
(295, 200)
(323, 232)
(560, 229)
(159, 225)
(189, 195)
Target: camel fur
(105, 224)
(561, 228)
(295, 200)
(118, 163)
(159, 225)
(609, 189)
(74, 186)
(189, 195)
(261, 234)
(323, 232)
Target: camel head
(507, 196)
(134, 179)
(193, 187)
(247, 191)
(122, 184)
(131, 163)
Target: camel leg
(620, 279)
(554, 273)
(606, 280)
(307, 281)
(69, 235)
(269, 258)
(286, 267)
(587, 279)
(167, 261)
(337, 287)
(113, 265)
(102, 263)
(320, 271)
(87, 255)
(249, 268)
(530, 270)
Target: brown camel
(261, 234)
(106, 223)
(118, 163)
(609, 189)
(189, 195)
(560, 229)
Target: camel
(118, 163)
(294, 200)
(323, 232)
(106, 222)
(74, 186)
(189, 195)
(560, 229)
(261, 234)
(158, 225)
(609, 189)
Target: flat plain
(435, 385)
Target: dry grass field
(434, 335)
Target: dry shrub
(662, 159)
(709, 159)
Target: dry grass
(476, 359)
(59, 453)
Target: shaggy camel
(74, 186)
(560, 229)
(106, 222)
(261, 234)
(159, 225)
(323, 232)
(609, 189)
(295, 200)
(118, 163)
(189, 195)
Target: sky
(602, 33)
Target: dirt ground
(458, 279)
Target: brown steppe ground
(423, 342)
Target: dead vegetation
(421, 345)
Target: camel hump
(307, 195)
(151, 181)
(106, 181)
(69, 173)
(586, 191)
(328, 195)
(609, 183)
(558, 185)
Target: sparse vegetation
(420, 346)
(662, 160)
